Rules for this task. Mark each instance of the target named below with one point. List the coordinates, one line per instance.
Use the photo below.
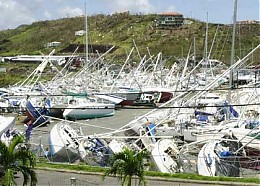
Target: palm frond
(26, 157)
(8, 178)
(127, 180)
(33, 176)
(17, 159)
(4, 153)
(28, 173)
(15, 141)
(25, 173)
(126, 164)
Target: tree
(127, 164)
(17, 158)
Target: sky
(14, 13)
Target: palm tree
(127, 164)
(17, 158)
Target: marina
(197, 128)
(194, 114)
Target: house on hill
(80, 33)
(248, 22)
(169, 20)
(53, 44)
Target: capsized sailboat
(64, 143)
(165, 155)
(220, 157)
(6, 123)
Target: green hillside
(122, 28)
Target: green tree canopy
(17, 158)
(127, 164)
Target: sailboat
(64, 143)
(87, 108)
(165, 155)
(6, 123)
(220, 157)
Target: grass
(79, 167)
(18, 72)
(87, 168)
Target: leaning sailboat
(64, 143)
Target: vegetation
(17, 158)
(102, 170)
(124, 31)
(121, 29)
(127, 164)
(17, 72)
(74, 167)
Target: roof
(170, 13)
(55, 42)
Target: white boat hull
(63, 143)
(163, 152)
(214, 159)
(206, 164)
(6, 123)
(89, 111)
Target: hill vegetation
(123, 30)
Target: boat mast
(194, 49)
(206, 50)
(86, 32)
(232, 53)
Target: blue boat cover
(202, 118)
(231, 110)
(151, 128)
(225, 153)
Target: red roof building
(170, 14)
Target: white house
(80, 33)
(3, 70)
(53, 44)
